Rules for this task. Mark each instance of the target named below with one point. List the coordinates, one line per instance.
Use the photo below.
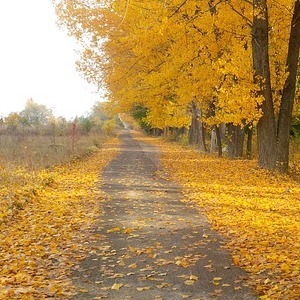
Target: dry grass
(35, 152)
(27, 162)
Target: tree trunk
(249, 132)
(288, 95)
(266, 127)
(193, 127)
(235, 141)
(202, 134)
(166, 132)
(213, 141)
(197, 130)
(219, 141)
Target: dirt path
(151, 244)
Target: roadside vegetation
(49, 197)
(35, 139)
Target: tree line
(193, 64)
(37, 119)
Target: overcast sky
(37, 60)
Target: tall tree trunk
(193, 128)
(235, 141)
(219, 141)
(249, 132)
(202, 135)
(288, 95)
(266, 127)
(197, 130)
(166, 132)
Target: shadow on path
(151, 244)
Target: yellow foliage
(147, 52)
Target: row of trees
(36, 118)
(197, 64)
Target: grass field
(35, 152)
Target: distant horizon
(55, 114)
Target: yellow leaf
(133, 266)
(116, 286)
(121, 263)
(217, 278)
(226, 284)
(189, 282)
(285, 267)
(182, 263)
(132, 249)
(128, 230)
(115, 229)
(193, 277)
(145, 288)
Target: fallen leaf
(217, 278)
(193, 277)
(133, 266)
(145, 288)
(115, 229)
(208, 266)
(128, 230)
(121, 263)
(183, 262)
(116, 286)
(132, 249)
(189, 282)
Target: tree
(273, 139)
(288, 94)
(12, 121)
(169, 56)
(35, 114)
(85, 124)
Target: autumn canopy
(230, 62)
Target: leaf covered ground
(44, 221)
(151, 244)
(257, 212)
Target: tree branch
(125, 14)
(178, 8)
(248, 21)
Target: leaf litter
(45, 235)
(255, 210)
(161, 243)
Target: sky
(37, 60)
